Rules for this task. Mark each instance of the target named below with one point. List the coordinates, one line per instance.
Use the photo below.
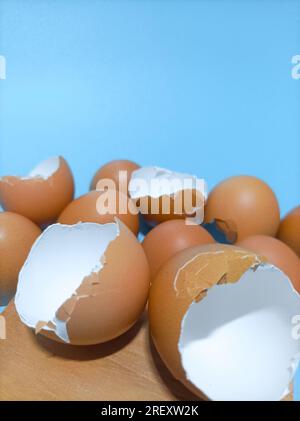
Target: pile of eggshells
(223, 316)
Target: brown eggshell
(17, 235)
(243, 206)
(165, 208)
(277, 253)
(111, 171)
(289, 230)
(168, 238)
(109, 302)
(84, 209)
(40, 200)
(172, 292)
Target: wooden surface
(128, 368)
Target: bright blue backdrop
(198, 86)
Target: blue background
(197, 86)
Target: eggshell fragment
(221, 319)
(114, 170)
(170, 237)
(242, 206)
(17, 234)
(277, 253)
(42, 195)
(289, 230)
(83, 284)
(162, 195)
(87, 208)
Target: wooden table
(128, 368)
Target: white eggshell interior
(237, 343)
(45, 169)
(57, 264)
(155, 182)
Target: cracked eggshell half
(83, 284)
(222, 321)
(161, 195)
(42, 194)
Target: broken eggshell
(221, 319)
(83, 284)
(162, 195)
(42, 194)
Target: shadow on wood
(178, 389)
(91, 352)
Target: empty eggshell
(243, 206)
(170, 237)
(277, 253)
(87, 208)
(221, 319)
(83, 284)
(17, 234)
(112, 171)
(42, 195)
(162, 194)
(289, 230)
